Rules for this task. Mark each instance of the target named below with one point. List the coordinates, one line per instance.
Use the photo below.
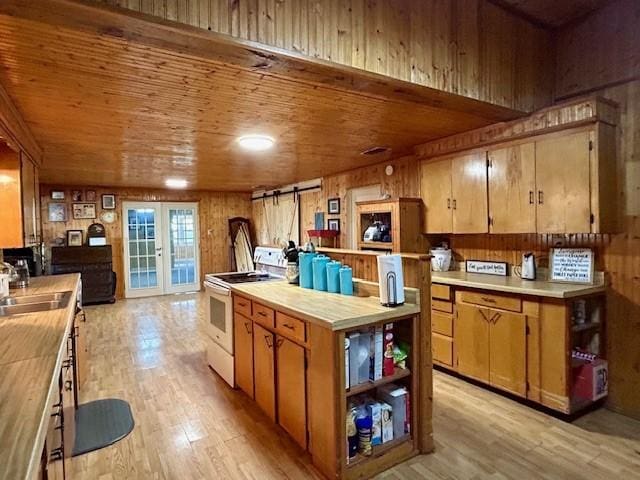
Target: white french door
(161, 248)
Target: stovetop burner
(244, 277)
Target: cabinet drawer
(442, 306)
(265, 316)
(242, 305)
(442, 323)
(442, 292)
(504, 302)
(442, 348)
(291, 327)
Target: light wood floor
(190, 425)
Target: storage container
(319, 264)
(346, 281)
(305, 260)
(333, 276)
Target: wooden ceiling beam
(14, 131)
(154, 32)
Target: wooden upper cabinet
(472, 341)
(435, 190)
(512, 189)
(10, 199)
(264, 370)
(469, 189)
(563, 197)
(508, 352)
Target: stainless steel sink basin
(42, 297)
(34, 303)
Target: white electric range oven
(270, 265)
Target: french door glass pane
(142, 248)
(182, 248)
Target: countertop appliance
(528, 266)
(270, 264)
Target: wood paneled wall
(404, 182)
(602, 50)
(214, 209)
(470, 47)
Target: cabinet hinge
(590, 145)
(489, 164)
(528, 388)
(527, 330)
(306, 363)
(491, 221)
(592, 219)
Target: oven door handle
(217, 289)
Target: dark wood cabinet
(95, 267)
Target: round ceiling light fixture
(256, 143)
(175, 183)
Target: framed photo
(84, 210)
(74, 238)
(90, 195)
(333, 206)
(333, 224)
(57, 194)
(108, 201)
(57, 212)
(76, 195)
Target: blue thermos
(346, 280)
(305, 260)
(333, 276)
(320, 272)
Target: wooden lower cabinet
(472, 342)
(264, 370)
(508, 352)
(243, 334)
(291, 389)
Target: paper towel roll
(390, 280)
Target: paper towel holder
(392, 286)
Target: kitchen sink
(34, 303)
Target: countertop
(329, 310)
(32, 347)
(511, 284)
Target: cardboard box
(386, 422)
(375, 410)
(396, 396)
(376, 355)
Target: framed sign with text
(571, 265)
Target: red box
(590, 379)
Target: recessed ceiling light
(256, 143)
(175, 182)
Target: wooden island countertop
(32, 347)
(329, 310)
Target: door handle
(496, 317)
(530, 197)
(454, 203)
(268, 340)
(448, 203)
(483, 315)
(540, 197)
(290, 327)
(279, 342)
(246, 325)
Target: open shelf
(586, 326)
(398, 374)
(379, 450)
(376, 245)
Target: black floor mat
(101, 423)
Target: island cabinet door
(291, 389)
(264, 370)
(243, 337)
(472, 341)
(508, 350)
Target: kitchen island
(290, 358)
(34, 351)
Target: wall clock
(108, 216)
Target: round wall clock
(108, 216)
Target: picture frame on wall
(57, 194)
(333, 206)
(74, 238)
(108, 201)
(84, 211)
(333, 224)
(90, 196)
(57, 212)
(76, 195)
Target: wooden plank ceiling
(553, 13)
(109, 108)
